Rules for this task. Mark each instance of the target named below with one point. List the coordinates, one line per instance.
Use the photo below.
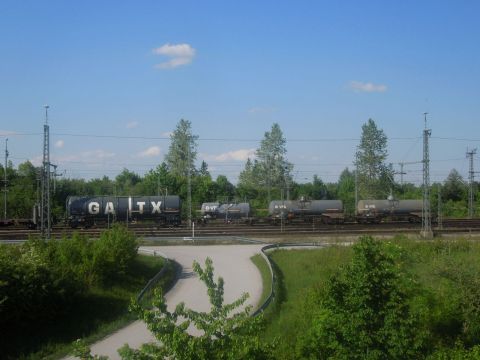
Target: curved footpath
(232, 262)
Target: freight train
(325, 211)
(87, 211)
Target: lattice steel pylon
(471, 178)
(45, 218)
(426, 213)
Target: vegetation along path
(232, 262)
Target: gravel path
(232, 262)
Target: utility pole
(401, 172)
(356, 183)
(439, 209)
(45, 212)
(471, 177)
(5, 182)
(426, 214)
(402, 164)
(189, 194)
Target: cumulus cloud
(59, 144)
(359, 86)
(132, 125)
(179, 54)
(236, 155)
(150, 152)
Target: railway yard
(9, 234)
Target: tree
(203, 171)
(223, 335)
(225, 189)
(374, 176)
(364, 312)
(454, 187)
(346, 190)
(183, 150)
(270, 169)
(126, 182)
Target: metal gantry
(45, 218)
(426, 214)
(471, 178)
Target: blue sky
(320, 69)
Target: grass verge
(262, 266)
(447, 273)
(101, 311)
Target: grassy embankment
(101, 311)
(447, 274)
(262, 266)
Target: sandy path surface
(232, 262)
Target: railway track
(263, 229)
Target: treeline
(268, 176)
(42, 281)
(22, 190)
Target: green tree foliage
(183, 150)
(226, 332)
(126, 181)
(315, 190)
(274, 168)
(346, 190)
(364, 312)
(41, 280)
(225, 189)
(454, 187)
(270, 172)
(374, 176)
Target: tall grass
(446, 274)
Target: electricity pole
(426, 215)
(45, 221)
(471, 177)
(439, 210)
(5, 181)
(189, 194)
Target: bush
(363, 312)
(40, 280)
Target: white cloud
(132, 125)
(359, 86)
(86, 157)
(97, 154)
(150, 152)
(179, 54)
(262, 110)
(59, 144)
(236, 155)
(167, 134)
(7, 132)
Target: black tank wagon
(89, 210)
(328, 211)
(374, 211)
